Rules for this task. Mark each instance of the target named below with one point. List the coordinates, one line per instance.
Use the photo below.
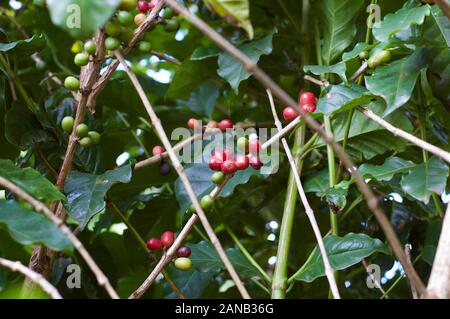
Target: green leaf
(401, 20)
(189, 76)
(235, 12)
(431, 241)
(338, 98)
(86, 192)
(385, 172)
(205, 259)
(359, 47)
(30, 181)
(343, 252)
(191, 283)
(30, 228)
(24, 47)
(233, 71)
(81, 18)
(337, 20)
(203, 100)
(426, 178)
(338, 69)
(437, 27)
(318, 183)
(395, 82)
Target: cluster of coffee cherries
(164, 167)
(86, 137)
(166, 240)
(308, 103)
(171, 24)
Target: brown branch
(408, 255)
(445, 7)
(16, 266)
(267, 82)
(170, 253)
(362, 69)
(374, 278)
(165, 57)
(308, 210)
(439, 282)
(187, 185)
(151, 19)
(41, 208)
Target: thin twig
(439, 282)
(41, 208)
(34, 276)
(408, 255)
(308, 210)
(170, 253)
(187, 185)
(260, 75)
(362, 69)
(374, 279)
(406, 136)
(166, 57)
(281, 133)
(445, 7)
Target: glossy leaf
(425, 179)
(337, 21)
(233, 71)
(30, 228)
(385, 172)
(338, 98)
(338, 69)
(86, 192)
(205, 259)
(203, 100)
(401, 20)
(343, 252)
(30, 181)
(395, 82)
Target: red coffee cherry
(154, 244)
(307, 98)
(158, 150)
(215, 163)
(143, 6)
(224, 124)
(289, 114)
(254, 146)
(309, 108)
(183, 252)
(241, 162)
(193, 123)
(167, 239)
(255, 162)
(213, 124)
(228, 167)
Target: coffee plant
(224, 149)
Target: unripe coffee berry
(81, 130)
(67, 124)
(217, 178)
(183, 263)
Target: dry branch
(250, 66)
(33, 276)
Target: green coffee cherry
(77, 47)
(126, 35)
(85, 142)
(90, 47)
(72, 83)
(67, 124)
(242, 144)
(168, 13)
(81, 130)
(379, 58)
(145, 47)
(94, 136)
(191, 209)
(217, 178)
(363, 55)
(81, 59)
(206, 202)
(125, 18)
(171, 25)
(112, 43)
(113, 29)
(183, 263)
(127, 4)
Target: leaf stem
(138, 140)
(247, 254)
